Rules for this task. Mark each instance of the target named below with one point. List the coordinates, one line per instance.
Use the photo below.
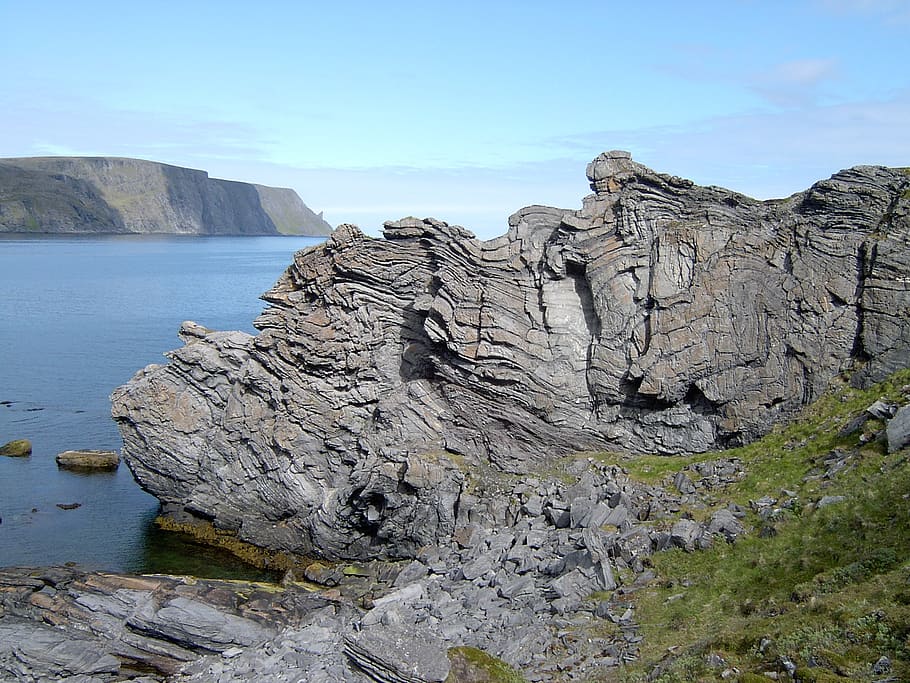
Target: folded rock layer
(390, 374)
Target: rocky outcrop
(18, 448)
(64, 624)
(391, 376)
(116, 195)
(540, 592)
(88, 460)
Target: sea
(78, 317)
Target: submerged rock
(19, 448)
(88, 460)
(389, 376)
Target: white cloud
(794, 83)
(768, 154)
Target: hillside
(105, 195)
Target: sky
(463, 111)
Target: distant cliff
(116, 195)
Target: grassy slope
(827, 589)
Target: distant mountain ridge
(104, 195)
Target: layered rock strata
(547, 590)
(391, 376)
(116, 195)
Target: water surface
(78, 317)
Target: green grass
(470, 665)
(829, 592)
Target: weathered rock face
(115, 195)
(662, 316)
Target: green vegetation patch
(819, 592)
(206, 533)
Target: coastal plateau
(112, 195)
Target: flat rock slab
(58, 623)
(398, 655)
(88, 460)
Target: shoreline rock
(87, 460)
(513, 590)
(18, 448)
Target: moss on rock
(470, 665)
(19, 448)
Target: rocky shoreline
(532, 577)
(537, 584)
(439, 420)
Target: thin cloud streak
(895, 12)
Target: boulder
(88, 460)
(19, 448)
(898, 430)
(397, 655)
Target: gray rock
(881, 410)
(898, 430)
(65, 624)
(661, 316)
(683, 484)
(395, 655)
(27, 647)
(825, 501)
(882, 666)
(685, 534)
(193, 623)
(724, 522)
(414, 571)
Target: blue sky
(463, 111)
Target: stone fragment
(414, 571)
(825, 501)
(396, 655)
(88, 460)
(685, 534)
(898, 430)
(882, 410)
(725, 523)
(683, 484)
(18, 448)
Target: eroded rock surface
(389, 376)
(539, 575)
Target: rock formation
(88, 460)
(391, 379)
(18, 448)
(115, 195)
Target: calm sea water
(78, 317)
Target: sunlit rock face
(390, 374)
(115, 195)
